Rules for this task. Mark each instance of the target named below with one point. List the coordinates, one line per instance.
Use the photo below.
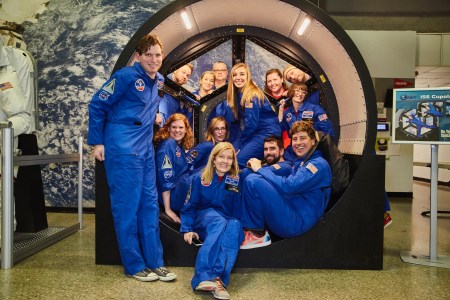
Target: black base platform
(349, 236)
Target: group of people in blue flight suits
(226, 194)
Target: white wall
(389, 55)
(422, 153)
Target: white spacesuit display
(16, 94)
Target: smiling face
(299, 95)
(223, 162)
(207, 82)
(272, 153)
(177, 130)
(150, 60)
(274, 83)
(240, 77)
(181, 75)
(220, 71)
(302, 143)
(220, 131)
(296, 75)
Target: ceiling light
(304, 25)
(187, 22)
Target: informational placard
(421, 116)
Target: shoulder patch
(312, 168)
(323, 117)
(6, 86)
(166, 163)
(103, 95)
(109, 88)
(249, 105)
(194, 153)
(276, 166)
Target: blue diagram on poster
(421, 116)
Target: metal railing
(8, 162)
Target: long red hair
(164, 132)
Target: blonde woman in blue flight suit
(211, 213)
(250, 106)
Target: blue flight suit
(121, 117)
(224, 110)
(172, 173)
(289, 205)
(259, 121)
(308, 111)
(169, 105)
(213, 211)
(283, 168)
(197, 157)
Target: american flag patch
(249, 105)
(323, 117)
(312, 168)
(5, 86)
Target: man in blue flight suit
(169, 105)
(290, 205)
(121, 118)
(273, 157)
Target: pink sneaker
(252, 241)
(387, 220)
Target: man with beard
(273, 158)
(169, 105)
(287, 205)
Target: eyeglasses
(301, 92)
(217, 129)
(220, 70)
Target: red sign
(399, 84)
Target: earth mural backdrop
(76, 44)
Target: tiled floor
(67, 270)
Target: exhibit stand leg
(7, 196)
(433, 259)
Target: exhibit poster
(421, 116)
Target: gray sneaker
(206, 286)
(220, 292)
(145, 275)
(164, 274)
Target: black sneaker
(145, 275)
(164, 274)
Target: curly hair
(304, 126)
(148, 41)
(164, 132)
